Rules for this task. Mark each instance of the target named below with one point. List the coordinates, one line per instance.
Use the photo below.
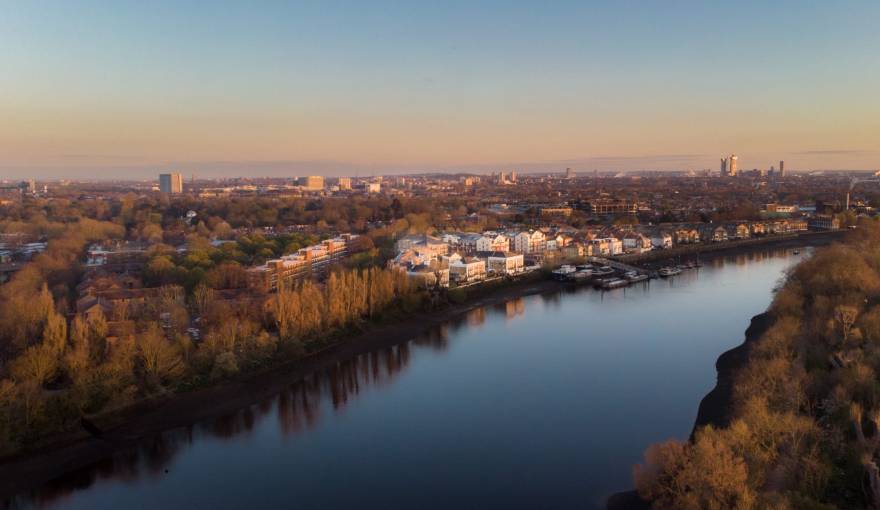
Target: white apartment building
(424, 243)
(661, 240)
(451, 239)
(557, 243)
(636, 242)
(529, 242)
(425, 277)
(506, 263)
(469, 269)
(468, 242)
(605, 246)
(493, 243)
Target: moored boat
(603, 271)
(564, 272)
(668, 271)
(614, 283)
(580, 276)
(634, 277)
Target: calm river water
(542, 402)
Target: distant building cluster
(503, 178)
(728, 166)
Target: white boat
(603, 271)
(614, 283)
(580, 276)
(668, 271)
(634, 277)
(564, 272)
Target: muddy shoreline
(716, 407)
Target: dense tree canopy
(806, 406)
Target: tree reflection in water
(298, 409)
(301, 406)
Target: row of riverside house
(470, 257)
(433, 261)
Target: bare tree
(845, 316)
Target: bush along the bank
(805, 428)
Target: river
(542, 402)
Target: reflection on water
(297, 408)
(560, 370)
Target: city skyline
(92, 89)
(331, 169)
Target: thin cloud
(657, 157)
(835, 152)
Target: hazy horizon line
(219, 169)
(153, 177)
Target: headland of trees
(800, 427)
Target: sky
(110, 89)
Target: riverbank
(716, 407)
(710, 250)
(123, 429)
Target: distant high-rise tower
(781, 168)
(312, 182)
(569, 174)
(731, 169)
(723, 167)
(171, 183)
